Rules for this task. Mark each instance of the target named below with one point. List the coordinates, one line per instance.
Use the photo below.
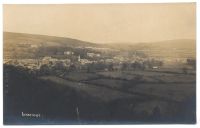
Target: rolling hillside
(182, 48)
(10, 37)
(19, 45)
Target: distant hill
(182, 48)
(174, 44)
(20, 45)
(10, 37)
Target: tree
(45, 70)
(72, 67)
(185, 70)
(192, 63)
(124, 66)
(110, 67)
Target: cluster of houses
(117, 62)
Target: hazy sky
(104, 23)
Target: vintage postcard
(99, 63)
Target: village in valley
(144, 83)
(91, 59)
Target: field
(80, 76)
(138, 92)
(102, 97)
(103, 94)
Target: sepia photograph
(72, 64)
